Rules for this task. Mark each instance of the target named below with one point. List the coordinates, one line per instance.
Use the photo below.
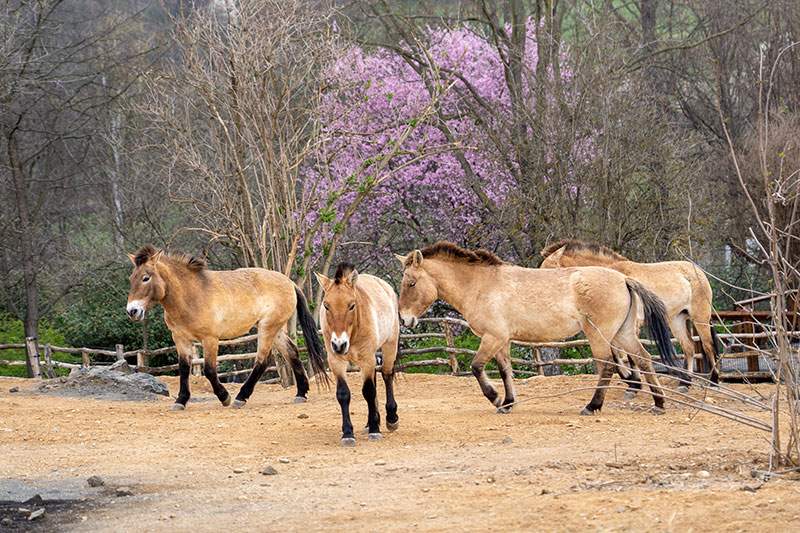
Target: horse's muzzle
(135, 311)
(409, 321)
(340, 348)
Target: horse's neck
(457, 282)
(178, 286)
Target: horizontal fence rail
(535, 363)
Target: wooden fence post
(537, 356)
(48, 362)
(448, 339)
(32, 350)
(141, 360)
(85, 360)
(197, 370)
(120, 350)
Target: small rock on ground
(508, 440)
(269, 471)
(284, 460)
(123, 491)
(302, 415)
(95, 481)
(13, 389)
(238, 470)
(36, 514)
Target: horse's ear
(324, 281)
(415, 257)
(352, 277)
(156, 257)
(132, 258)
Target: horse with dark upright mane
(681, 285)
(206, 306)
(503, 302)
(359, 316)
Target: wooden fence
(747, 328)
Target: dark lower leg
(371, 396)
(343, 396)
(391, 404)
(634, 380)
(249, 385)
(483, 381)
(184, 369)
(508, 382)
(210, 373)
(596, 403)
(300, 377)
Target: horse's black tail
(313, 344)
(655, 314)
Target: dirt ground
(454, 464)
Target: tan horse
(504, 302)
(358, 316)
(206, 306)
(682, 286)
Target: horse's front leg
(339, 368)
(503, 358)
(371, 396)
(210, 350)
(184, 347)
(489, 347)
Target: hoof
(227, 401)
(348, 442)
(238, 404)
(497, 402)
(392, 426)
(683, 389)
(504, 410)
(375, 436)
(629, 395)
(177, 407)
(657, 410)
(300, 399)
(586, 411)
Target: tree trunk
(26, 245)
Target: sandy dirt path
(453, 465)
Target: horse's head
(418, 289)
(147, 286)
(339, 303)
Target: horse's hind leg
(503, 359)
(288, 349)
(184, 347)
(210, 350)
(628, 375)
(488, 348)
(387, 369)
(629, 343)
(678, 326)
(602, 355)
(703, 326)
(266, 334)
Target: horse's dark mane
(574, 245)
(192, 263)
(343, 270)
(143, 254)
(453, 252)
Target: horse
(359, 314)
(206, 306)
(681, 285)
(503, 302)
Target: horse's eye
(145, 279)
(327, 307)
(412, 283)
(352, 306)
